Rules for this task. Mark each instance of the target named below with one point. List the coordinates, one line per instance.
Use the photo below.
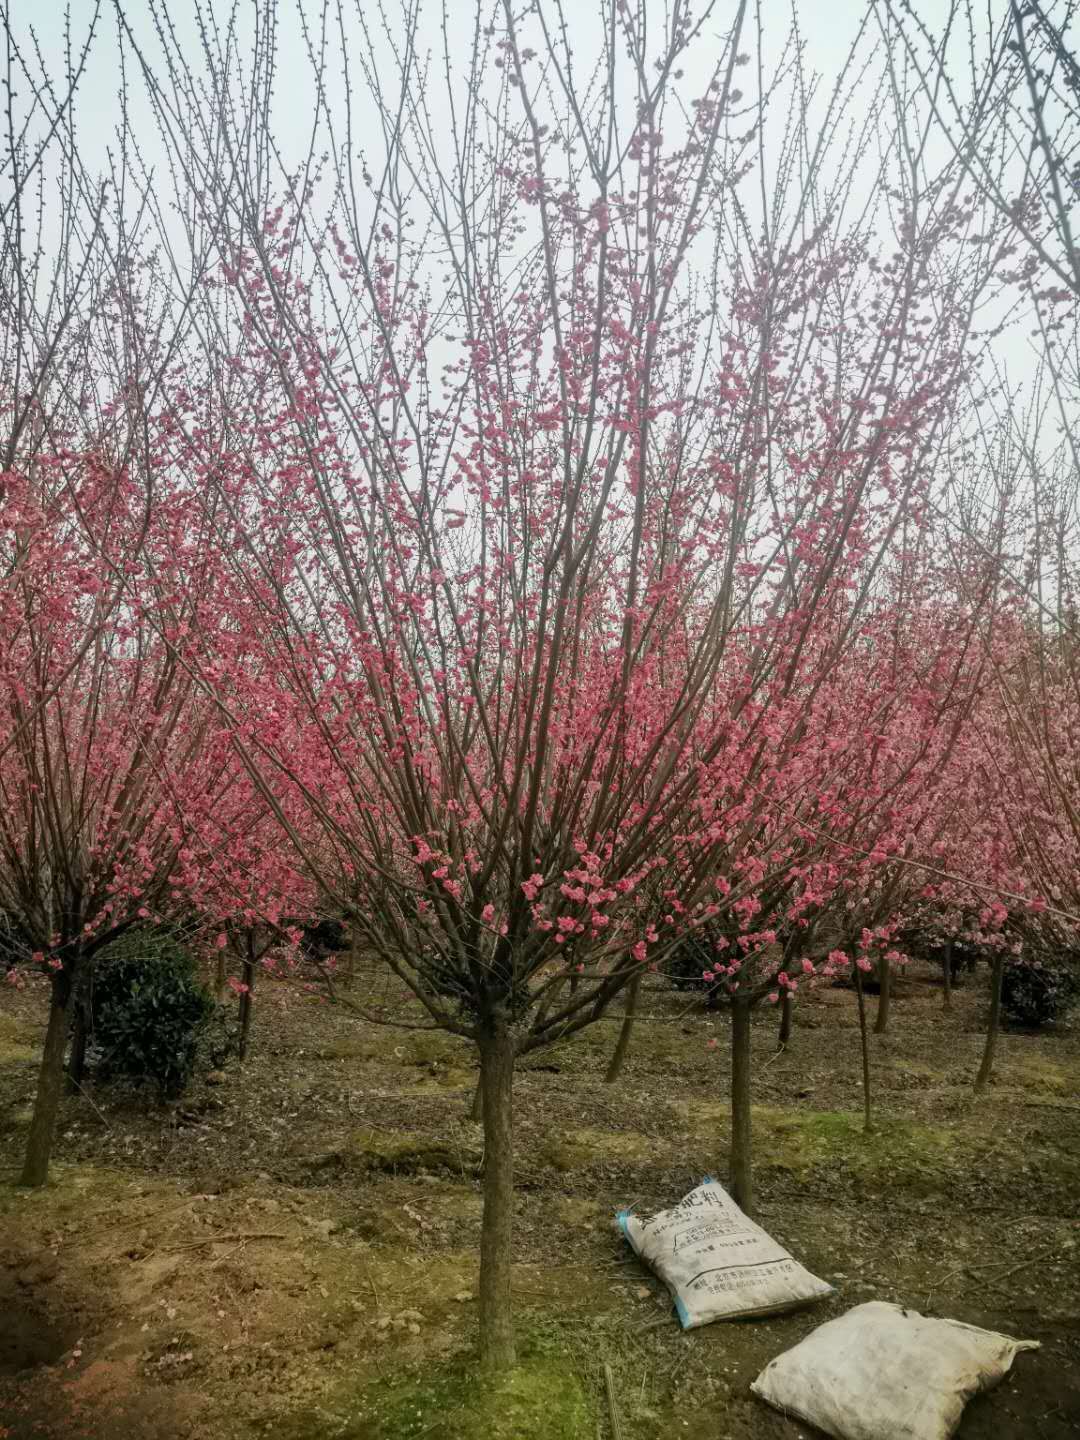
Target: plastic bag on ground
(716, 1262)
(881, 1372)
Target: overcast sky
(828, 29)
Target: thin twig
(86, 1096)
(228, 1254)
(374, 1287)
(1020, 1265)
(613, 1407)
(160, 1215)
(224, 1239)
(985, 1265)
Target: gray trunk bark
(986, 1068)
(496, 1236)
(625, 1031)
(742, 1175)
(787, 1006)
(881, 1020)
(80, 1036)
(947, 1002)
(246, 1002)
(50, 1086)
(868, 1123)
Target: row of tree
(575, 532)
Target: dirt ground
(291, 1251)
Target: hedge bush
(149, 1011)
(685, 967)
(1035, 992)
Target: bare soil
(291, 1251)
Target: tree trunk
(80, 1033)
(787, 1006)
(497, 1079)
(476, 1109)
(881, 1020)
(868, 1123)
(982, 1080)
(50, 1085)
(246, 1000)
(355, 947)
(742, 1177)
(219, 977)
(947, 974)
(625, 1031)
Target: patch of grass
(915, 1068)
(410, 1276)
(896, 1149)
(426, 1050)
(805, 1141)
(345, 1047)
(1032, 1071)
(543, 1398)
(431, 1049)
(655, 1048)
(540, 1398)
(579, 1149)
(584, 1214)
(18, 1045)
(444, 1077)
(401, 1153)
(15, 1119)
(83, 1190)
(458, 1202)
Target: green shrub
(686, 966)
(1036, 993)
(149, 1010)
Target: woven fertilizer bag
(716, 1262)
(881, 1372)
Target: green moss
(542, 1398)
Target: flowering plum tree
(576, 454)
(99, 746)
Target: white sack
(716, 1262)
(884, 1373)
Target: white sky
(828, 28)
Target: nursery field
(291, 1250)
(515, 521)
